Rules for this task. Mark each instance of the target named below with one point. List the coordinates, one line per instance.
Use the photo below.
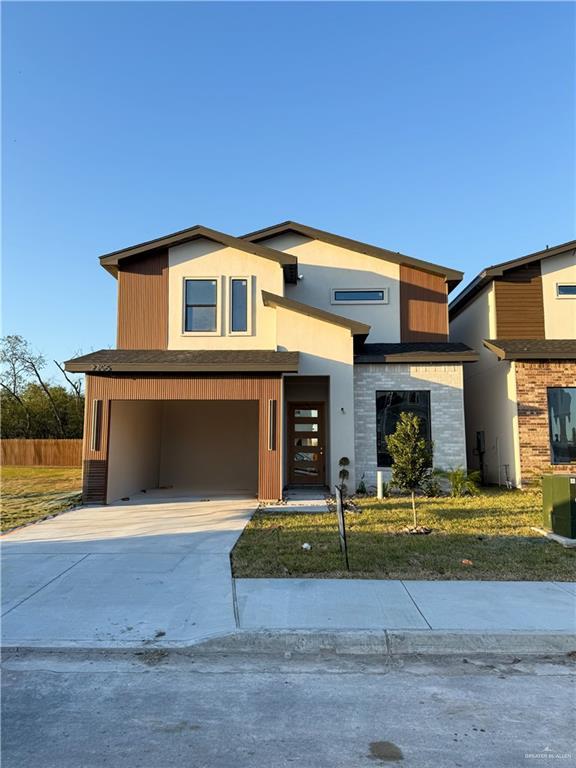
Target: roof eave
(355, 327)
(98, 369)
(453, 276)
(511, 356)
(408, 357)
(194, 233)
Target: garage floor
(125, 574)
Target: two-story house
(520, 396)
(248, 364)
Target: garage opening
(183, 447)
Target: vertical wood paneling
(143, 302)
(520, 304)
(423, 306)
(177, 387)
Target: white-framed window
(239, 306)
(201, 302)
(566, 290)
(359, 296)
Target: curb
(384, 643)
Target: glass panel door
(306, 444)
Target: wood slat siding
(42, 453)
(519, 303)
(180, 387)
(143, 302)
(423, 306)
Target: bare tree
(20, 363)
(75, 385)
(14, 373)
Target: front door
(306, 444)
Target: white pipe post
(379, 480)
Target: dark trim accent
(453, 276)
(355, 327)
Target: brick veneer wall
(446, 411)
(532, 382)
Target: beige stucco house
(249, 364)
(521, 395)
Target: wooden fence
(47, 453)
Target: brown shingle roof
(176, 360)
(532, 349)
(416, 352)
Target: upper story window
(360, 296)
(566, 290)
(240, 305)
(201, 305)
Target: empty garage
(186, 447)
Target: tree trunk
(22, 404)
(59, 424)
(414, 510)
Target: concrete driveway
(152, 569)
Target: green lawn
(31, 493)
(492, 530)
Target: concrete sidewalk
(362, 604)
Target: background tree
(32, 405)
(411, 457)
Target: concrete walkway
(357, 604)
(153, 569)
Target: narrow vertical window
(239, 305)
(271, 425)
(96, 424)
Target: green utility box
(559, 504)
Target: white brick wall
(446, 410)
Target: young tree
(411, 457)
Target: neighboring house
(521, 395)
(250, 364)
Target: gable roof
(355, 327)
(532, 349)
(453, 276)
(497, 270)
(110, 260)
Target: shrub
(462, 483)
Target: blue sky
(443, 130)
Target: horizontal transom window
(360, 296)
(566, 289)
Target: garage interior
(185, 447)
